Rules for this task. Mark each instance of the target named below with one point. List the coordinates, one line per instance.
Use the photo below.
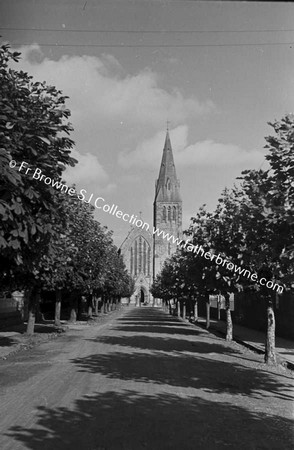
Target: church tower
(167, 208)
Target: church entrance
(142, 296)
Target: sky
(217, 71)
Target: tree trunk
(28, 293)
(73, 315)
(90, 306)
(196, 311)
(57, 307)
(184, 310)
(73, 306)
(98, 299)
(218, 307)
(179, 308)
(229, 332)
(270, 351)
(207, 315)
(190, 309)
(32, 310)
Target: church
(144, 253)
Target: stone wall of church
(168, 218)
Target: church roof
(167, 184)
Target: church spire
(167, 184)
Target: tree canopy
(49, 238)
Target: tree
(34, 132)
(214, 234)
(61, 269)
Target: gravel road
(143, 380)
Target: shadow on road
(168, 344)
(202, 373)
(158, 329)
(131, 421)
(194, 359)
(160, 392)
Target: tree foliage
(49, 240)
(34, 128)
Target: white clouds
(98, 90)
(87, 169)
(200, 154)
(145, 154)
(88, 172)
(215, 154)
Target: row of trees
(253, 227)
(49, 240)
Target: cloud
(100, 91)
(210, 153)
(88, 171)
(205, 153)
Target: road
(143, 380)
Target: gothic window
(168, 184)
(169, 214)
(136, 255)
(140, 254)
(168, 249)
(131, 261)
(148, 272)
(164, 214)
(144, 257)
(174, 213)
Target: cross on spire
(167, 125)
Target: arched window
(136, 256)
(144, 257)
(174, 213)
(140, 254)
(164, 214)
(168, 184)
(169, 214)
(131, 261)
(148, 261)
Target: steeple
(167, 208)
(167, 184)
